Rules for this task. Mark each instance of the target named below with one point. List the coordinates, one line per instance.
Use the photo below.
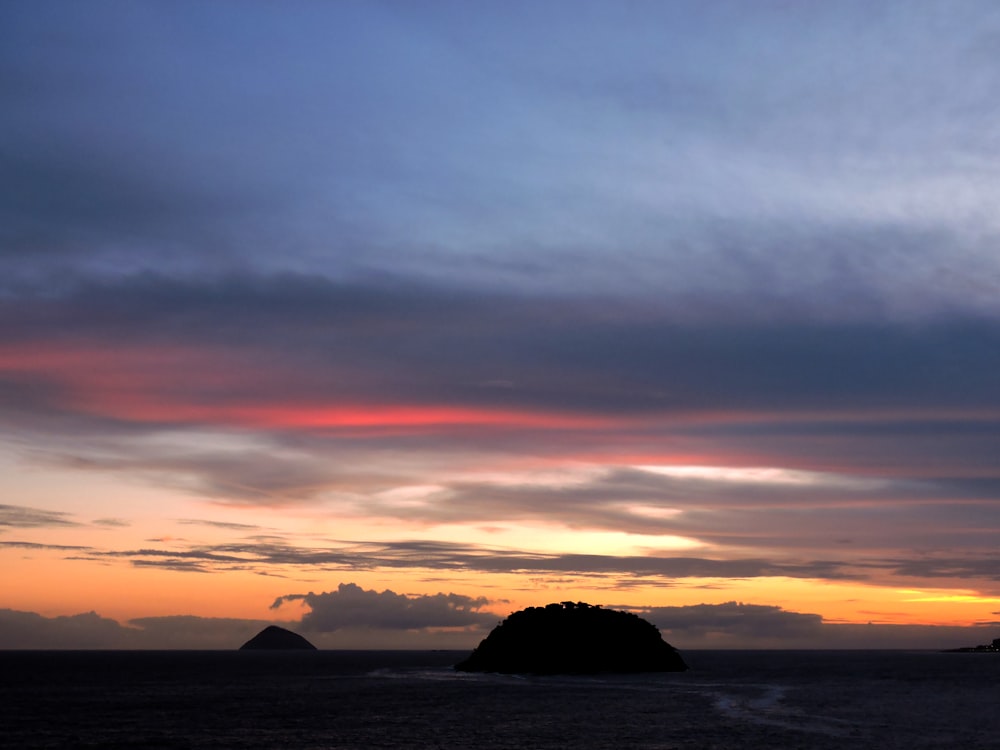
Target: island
(985, 648)
(273, 638)
(573, 638)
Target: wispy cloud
(228, 525)
(23, 517)
(15, 544)
(617, 571)
(111, 522)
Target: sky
(382, 320)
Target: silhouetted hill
(573, 638)
(273, 638)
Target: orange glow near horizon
(58, 585)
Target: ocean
(387, 699)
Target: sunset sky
(381, 320)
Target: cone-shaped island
(273, 638)
(570, 638)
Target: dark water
(332, 699)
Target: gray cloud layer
(372, 342)
(723, 154)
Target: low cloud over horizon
(352, 617)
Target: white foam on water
(765, 705)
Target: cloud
(20, 516)
(28, 630)
(42, 546)
(745, 625)
(111, 522)
(528, 157)
(455, 622)
(971, 567)
(569, 359)
(736, 620)
(276, 556)
(405, 376)
(765, 508)
(350, 607)
(179, 566)
(228, 525)
(192, 632)
(394, 270)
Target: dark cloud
(42, 546)
(509, 159)
(846, 561)
(665, 568)
(970, 568)
(780, 510)
(262, 473)
(561, 354)
(351, 606)
(609, 495)
(189, 559)
(750, 622)
(191, 632)
(100, 203)
(745, 625)
(103, 176)
(447, 556)
(28, 630)
(729, 625)
(178, 566)
(20, 516)
(891, 398)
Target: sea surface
(386, 699)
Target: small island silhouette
(273, 638)
(573, 638)
(984, 648)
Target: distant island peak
(273, 638)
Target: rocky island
(573, 638)
(273, 638)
